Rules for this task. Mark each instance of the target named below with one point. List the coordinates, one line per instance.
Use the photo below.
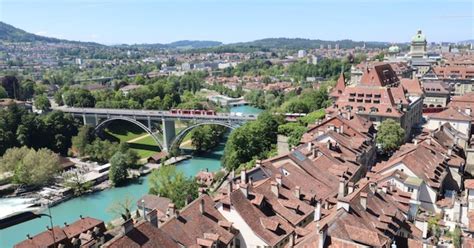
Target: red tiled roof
(451, 114)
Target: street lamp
(51, 223)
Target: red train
(193, 112)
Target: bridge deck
(155, 114)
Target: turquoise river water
(96, 204)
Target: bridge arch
(141, 125)
(180, 136)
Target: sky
(228, 21)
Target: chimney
(341, 129)
(349, 117)
(298, 192)
(350, 187)
(201, 206)
(274, 188)
(153, 218)
(329, 145)
(278, 179)
(127, 226)
(317, 211)
(229, 187)
(372, 187)
(171, 210)
(291, 242)
(201, 191)
(468, 111)
(244, 189)
(28, 236)
(450, 151)
(258, 163)
(243, 176)
(143, 209)
(65, 224)
(322, 235)
(416, 142)
(310, 146)
(363, 199)
(342, 188)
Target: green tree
(312, 117)
(78, 98)
(30, 167)
(3, 93)
(390, 135)
(84, 137)
(42, 103)
(101, 150)
(168, 182)
(293, 131)
(456, 236)
(253, 139)
(118, 172)
(77, 182)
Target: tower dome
(419, 37)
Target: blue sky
(162, 21)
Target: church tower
(418, 46)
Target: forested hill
(290, 44)
(9, 33)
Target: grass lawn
(123, 131)
(145, 147)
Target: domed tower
(393, 51)
(418, 45)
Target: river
(96, 204)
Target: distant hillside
(12, 34)
(193, 44)
(292, 44)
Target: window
(376, 101)
(389, 110)
(368, 101)
(410, 189)
(360, 109)
(360, 95)
(374, 109)
(359, 100)
(352, 94)
(377, 95)
(351, 100)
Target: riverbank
(96, 204)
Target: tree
(77, 182)
(84, 137)
(42, 103)
(30, 167)
(121, 208)
(3, 93)
(456, 236)
(12, 86)
(121, 161)
(390, 135)
(118, 172)
(293, 131)
(168, 182)
(79, 98)
(253, 139)
(312, 117)
(101, 150)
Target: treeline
(120, 156)
(11, 87)
(253, 140)
(227, 91)
(18, 127)
(160, 93)
(206, 137)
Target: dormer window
(360, 109)
(389, 110)
(374, 110)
